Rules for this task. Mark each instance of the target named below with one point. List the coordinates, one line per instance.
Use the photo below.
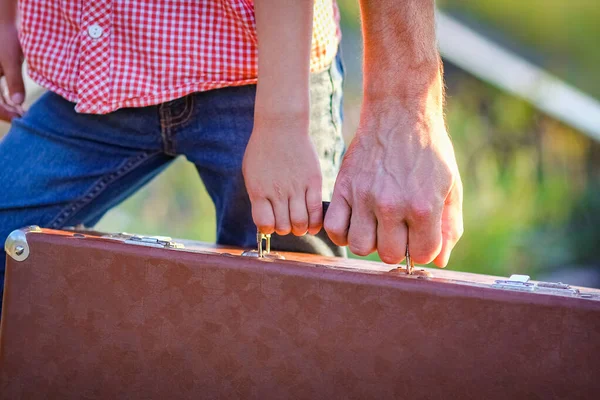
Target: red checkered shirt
(106, 54)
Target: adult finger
(362, 235)
(424, 232)
(262, 214)
(281, 209)
(337, 219)
(314, 205)
(452, 224)
(299, 214)
(391, 240)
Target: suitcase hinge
(16, 245)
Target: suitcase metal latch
(154, 241)
(515, 282)
(263, 252)
(521, 283)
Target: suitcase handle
(265, 252)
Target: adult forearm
(401, 59)
(8, 11)
(398, 190)
(284, 29)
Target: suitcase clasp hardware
(263, 252)
(521, 283)
(16, 245)
(556, 288)
(515, 282)
(155, 241)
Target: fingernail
(17, 98)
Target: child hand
(283, 177)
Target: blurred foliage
(563, 34)
(532, 186)
(522, 174)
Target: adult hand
(12, 89)
(283, 177)
(398, 184)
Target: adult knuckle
(421, 210)
(387, 205)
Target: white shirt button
(95, 31)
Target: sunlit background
(522, 112)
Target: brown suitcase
(120, 317)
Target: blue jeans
(59, 168)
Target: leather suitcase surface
(121, 317)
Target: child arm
(281, 167)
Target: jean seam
(186, 114)
(99, 187)
(164, 113)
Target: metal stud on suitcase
(90, 316)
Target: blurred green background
(532, 198)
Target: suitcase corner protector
(16, 245)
